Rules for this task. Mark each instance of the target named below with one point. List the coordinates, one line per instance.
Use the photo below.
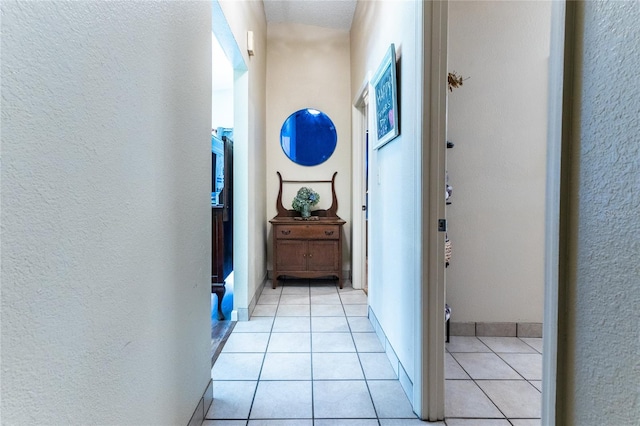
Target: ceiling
(321, 13)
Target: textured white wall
(105, 211)
(498, 122)
(394, 244)
(309, 67)
(603, 293)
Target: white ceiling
(321, 13)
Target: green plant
(305, 196)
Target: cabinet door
(323, 256)
(291, 255)
(217, 247)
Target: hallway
(310, 356)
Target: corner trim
(396, 364)
(197, 418)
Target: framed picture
(385, 88)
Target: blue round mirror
(308, 137)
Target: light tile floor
(493, 381)
(310, 357)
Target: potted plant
(304, 200)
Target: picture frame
(385, 86)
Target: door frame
(559, 121)
(432, 38)
(359, 117)
(222, 31)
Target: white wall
(105, 222)
(498, 122)
(249, 152)
(308, 67)
(394, 219)
(222, 86)
(599, 343)
(222, 108)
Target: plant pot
(306, 211)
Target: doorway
(222, 124)
(499, 170)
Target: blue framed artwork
(385, 87)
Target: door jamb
(559, 123)
(432, 40)
(359, 117)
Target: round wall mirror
(308, 137)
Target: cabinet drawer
(316, 232)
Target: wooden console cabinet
(307, 248)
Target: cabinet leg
(274, 282)
(219, 290)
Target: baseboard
(398, 368)
(346, 275)
(254, 300)
(197, 418)
(496, 329)
(529, 329)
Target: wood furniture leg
(219, 289)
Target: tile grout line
(264, 357)
(366, 382)
(523, 379)
(478, 386)
(506, 362)
(313, 413)
(535, 349)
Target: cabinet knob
(328, 232)
(286, 231)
